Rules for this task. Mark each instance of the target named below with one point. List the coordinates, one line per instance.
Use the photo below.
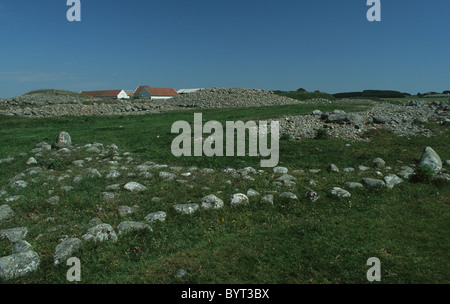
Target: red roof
(110, 93)
(157, 91)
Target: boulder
(186, 208)
(373, 183)
(63, 140)
(431, 159)
(66, 249)
(5, 212)
(239, 199)
(129, 226)
(340, 193)
(156, 216)
(18, 265)
(211, 202)
(100, 233)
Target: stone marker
(63, 140)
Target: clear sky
(325, 45)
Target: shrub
(422, 174)
(322, 134)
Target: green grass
(328, 241)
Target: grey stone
(100, 233)
(32, 161)
(378, 163)
(268, 198)
(353, 185)
(333, 168)
(431, 159)
(13, 198)
(156, 216)
(22, 246)
(392, 180)
(63, 140)
(288, 195)
(373, 183)
(186, 208)
(379, 120)
(66, 249)
(14, 234)
(134, 187)
(130, 226)
(113, 174)
(93, 173)
(406, 172)
(211, 202)
(348, 170)
(107, 196)
(18, 265)
(312, 195)
(54, 200)
(340, 193)
(6, 212)
(167, 175)
(252, 193)
(281, 170)
(239, 199)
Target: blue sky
(324, 45)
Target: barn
(108, 94)
(154, 93)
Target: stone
(134, 187)
(100, 233)
(18, 265)
(281, 170)
(168, 176)
(348, 170)
(93, 173)
(107, 196)
(252, 193)
(333, 168)
(186, 208)
(113, 174)
(312, 195)
(63, 140)
(373, 183)
(288, 195)
(14, 234)
(353, 185)
(379, 120)
(239, 199)
(94, 222)
(378, 163)
(156, 216)
(22, 246)
(392, 180)
(130, 226)
(431, 159)
(65, 250)
(268, 198)
(407, 172)
(32, 161)
(5, 213)
(180, 273)
(363, 168)
(340, 193)
(13, 198)
(211, 202)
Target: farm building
(109, 94)
(154, 93)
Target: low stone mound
(231, 97)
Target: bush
(422, 174)
(322, 134)
(285, 136)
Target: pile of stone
(402, 119)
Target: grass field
(328, 241)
